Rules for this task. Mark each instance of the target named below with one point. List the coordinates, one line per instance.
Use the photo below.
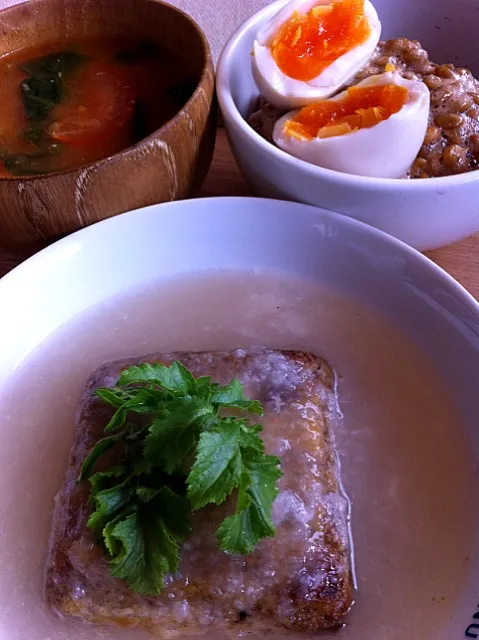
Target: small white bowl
(424, 213)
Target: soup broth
(72, 103)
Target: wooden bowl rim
(208, 68)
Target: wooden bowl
(169, 164)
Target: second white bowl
(424, 213)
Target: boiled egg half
(375, 128)
(312, 48)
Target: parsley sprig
(176, 447)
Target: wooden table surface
(461, 260)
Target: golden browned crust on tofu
(301, 579)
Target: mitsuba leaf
(101, 447)
(177, 456)
(252, 521)
(217, 469)
(175, 378)
(146, 494)
(229, 457)
(174, 432)
(115, 397)
(146, 551)
(109, 502)
(106, 479)
(233, 396)
(175, 512)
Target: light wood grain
(167, 165)
(461, 260)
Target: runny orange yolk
(308, 43)
(361, 108)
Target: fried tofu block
(300, 580)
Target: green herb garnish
(177, 448)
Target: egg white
(285, 92)
(385, 150)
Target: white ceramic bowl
(424, 213)
(413, 477)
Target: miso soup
(72, 103)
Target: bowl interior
(447, 30)
(47, 21)
(413, 478)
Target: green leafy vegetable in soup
(177, 448)
(73, 103)
(44, 86)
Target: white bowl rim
(82, 235)
(227, 104)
